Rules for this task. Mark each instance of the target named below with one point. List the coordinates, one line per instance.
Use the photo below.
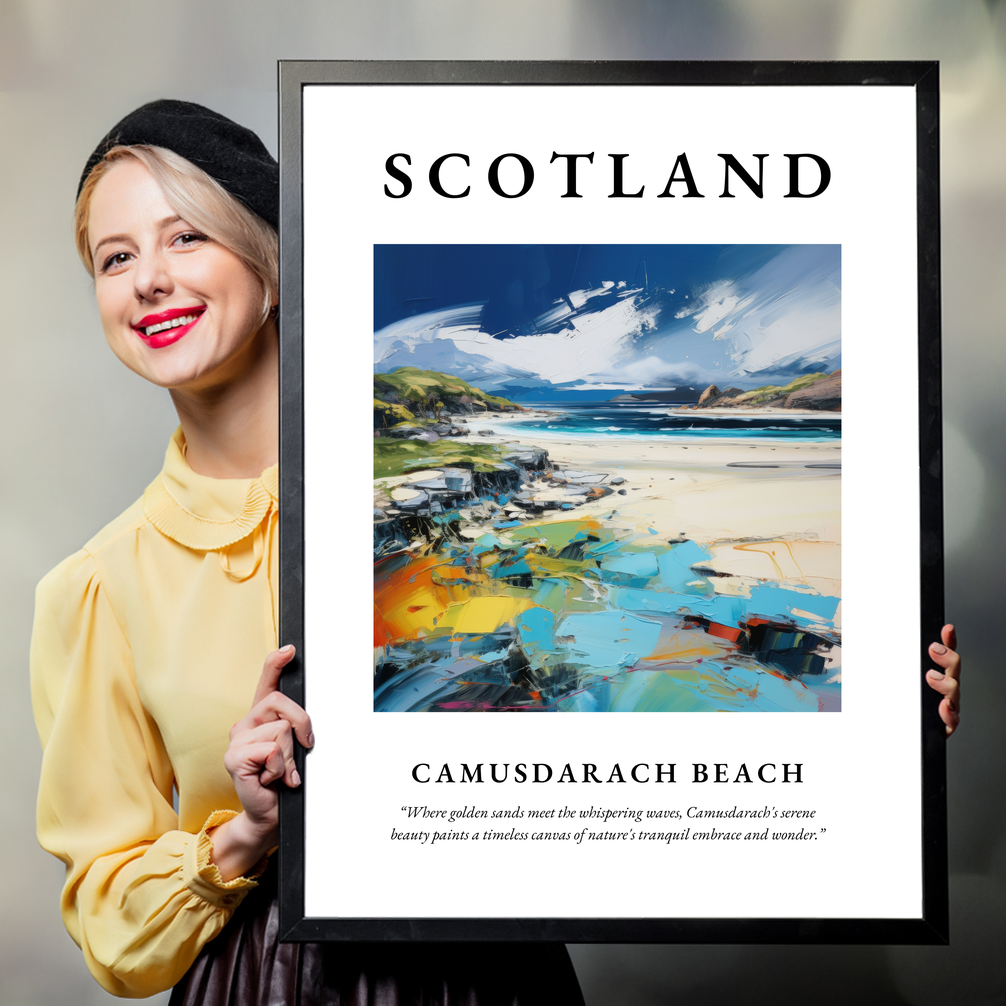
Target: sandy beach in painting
(744, 518)
(706, 491)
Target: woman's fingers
(274, 766)
(278, 735)
(261, 749)
(948, 709)
(259, 760)
(277, 706)
(946, 681)
(270, 703)
(271, 671)
(949, 636)
(949, 688)
(948, 660)
(951, 717)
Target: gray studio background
(81, 436)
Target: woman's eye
(190, 238)
(114, 261)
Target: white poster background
(860, 767)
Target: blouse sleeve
(141, 898)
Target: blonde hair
(199, 200)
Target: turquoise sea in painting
(618, 419)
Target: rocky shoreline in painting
(519, 576)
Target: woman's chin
(197, 365)
(172, 374)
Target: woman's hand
(260, 753)
(947, 682)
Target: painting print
(607, 478)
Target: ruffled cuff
(203, 878)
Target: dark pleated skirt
(246, 965)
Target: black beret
(230, 154)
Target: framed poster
(634, 371)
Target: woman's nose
(152, 277)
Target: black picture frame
(932, 925)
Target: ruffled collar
(203, 513)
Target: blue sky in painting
(557, 321)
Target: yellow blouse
(147, 647)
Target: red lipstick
(166, 327)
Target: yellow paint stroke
(479, 615)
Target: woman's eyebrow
(109, 240)
(160, 225)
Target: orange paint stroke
(724, 631)
(409, 600)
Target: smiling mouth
(167, 327)
(167, 321)
(185, 319)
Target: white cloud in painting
(652, 370)
(595, 343)
(769, 325)
(717, 302)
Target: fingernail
(938, 648)
(295, 777)
(287, 649)
(936, 675)
(310, 740)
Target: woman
(149, 642)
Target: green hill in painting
(399, 457)
(408, 392)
